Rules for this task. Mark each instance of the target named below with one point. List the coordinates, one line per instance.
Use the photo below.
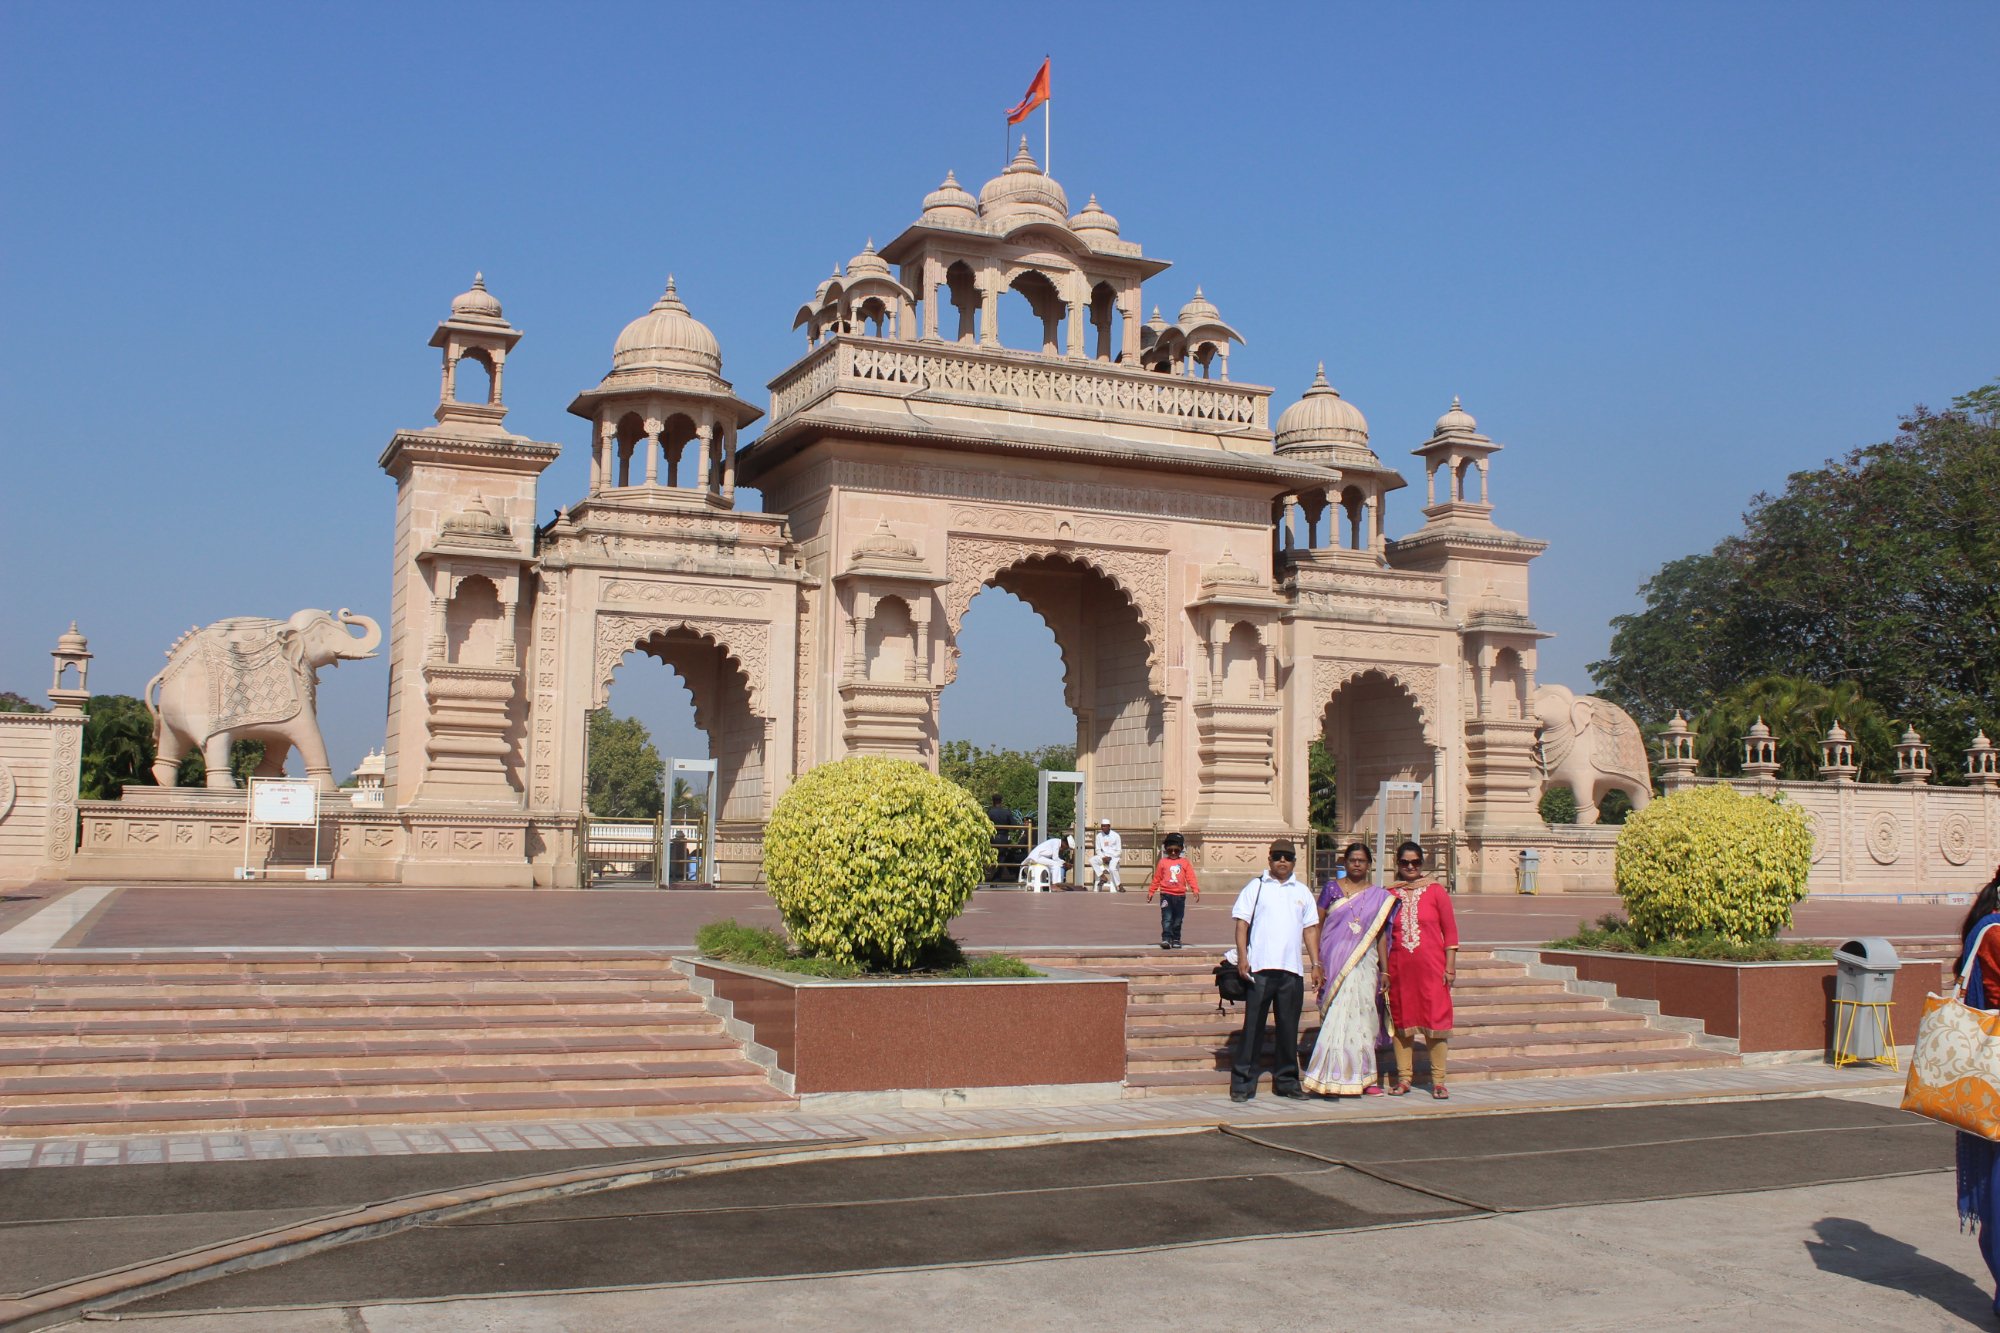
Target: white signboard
(279, 802)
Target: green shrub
(1615, 808)
(1713, 861)
(869, 859)
(992, 965)
(1558, 806)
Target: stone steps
(104, 1043)
(1509, 1024)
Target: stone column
(505, 654)
(920, 661)
(653, 429)
(729, 464)
(499, 369)
(933, 274)
(1482, 481)
(435, 652)
(989, 315)
(711, 462)
(1129, 331)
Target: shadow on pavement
(1855, 1249)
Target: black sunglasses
(1283, 856)
(1406, 861)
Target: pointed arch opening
(1374, 732)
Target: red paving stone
(230, 916)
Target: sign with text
(274, 801)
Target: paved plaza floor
(245, 916)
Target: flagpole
(1048, 110)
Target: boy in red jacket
(1173, 879)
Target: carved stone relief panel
(649, 593)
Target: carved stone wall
(747, 645)
(40, 757)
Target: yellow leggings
(1437, 1043)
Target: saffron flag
(1038, 93)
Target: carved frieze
(680, 594)
(1372, 643)
(65, 758)
(542, 744)
(935, 482)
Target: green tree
(1557, 806)
(117, 746)
(623, 772)
(1012, 774)
(1875, 570)
(244, 757)
(1320, 787)
(11, 702)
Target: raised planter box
(1763, 1007)
(825, 1037)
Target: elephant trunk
(366, 645)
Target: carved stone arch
(1140, 578)
(1419, 683)
(746, 646)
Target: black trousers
(1281, 994)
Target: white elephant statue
(1591, 746)
(249, 678)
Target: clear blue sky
(1667, 254)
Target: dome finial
(670, 298)
(479, 281)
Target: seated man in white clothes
(1050, 855)
(1104, 858)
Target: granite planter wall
(1763, 1007)
(1064, 1029)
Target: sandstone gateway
(1222, 587)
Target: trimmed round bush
(869, 859)
(1712, 860)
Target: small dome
(867, 264)
(72, 642)
(1836, 734)
(1458, 421)
(1094, 218)
(1158, 323)
(475, 520)
(476, 302)
(1201, 310)
(667, 337)
(1322, 417)
(950, 204)
(1910, 736)
(884, 542)
(1759, 730)
(1023, 191)
(1228, 570)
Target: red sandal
(1441, 1092)
(1400, 1090)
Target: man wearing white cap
(1105, 854)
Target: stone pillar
(1129, 330)
(711, 462)
(435, 651)
(1676, 756)
(989, 315)
(499, 370)
(653, 429)
(729, 464)
(505, 652)
(1913, 760)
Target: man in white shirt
(1108, 849)
(1277, 953)
(1050, 854)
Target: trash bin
(1864, 974)
(1529, 866)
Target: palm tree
(1799, 712)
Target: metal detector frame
(1382, 795)
(676, 767)
(1043, 777)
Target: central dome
(667, 337)
(1023, 191)
(1322, 417)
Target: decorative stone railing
(990, 377)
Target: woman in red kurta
(1423, 964)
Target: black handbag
(1230, 987)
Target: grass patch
(1613, 934)
(732, 942)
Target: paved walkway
(240, 916)
(1130, 1115)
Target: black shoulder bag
(1230, 986)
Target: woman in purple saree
(1352, 940)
